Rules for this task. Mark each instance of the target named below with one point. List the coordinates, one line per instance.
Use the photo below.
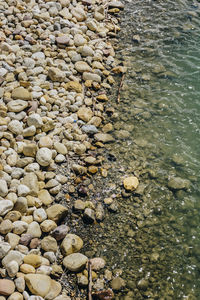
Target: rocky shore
(56, 70)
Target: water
(155, 235)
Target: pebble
(44, 156)
(3, 188)
(131, 183)
(5, 205)
(71, 243)
(38, 284)
(7, 287)
(75, 262)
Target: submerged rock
(177, 183)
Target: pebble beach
(57, 69)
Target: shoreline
(57, 67)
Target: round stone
(44, 156)
(131, 183)
(75, 262)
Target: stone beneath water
(177, 183)
(131, 183)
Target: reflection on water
(155, 236)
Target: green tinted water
(155, 236)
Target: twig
(120, 87)
(89, 280)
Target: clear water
(155, 235)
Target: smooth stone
(17, 105)
(63, 39)
(27, 269)
(38, 284)
(34, 229)
(20, 284)
(45, 141)
(16, 296)
(3, 188)
(104, 137)
(33, 260)
(90, 129)
(75, 262)
(131, 183)
(44, 156)
(19, 227)
(46, 270)
(12, 255)
(72, 243)
(39, 215)
(91, 76)
(82, 66)
(30, 131)
(60, 232)
(60, 148)
(48, 243)
(48, 225)
(7, 287)
(15, 127)
(5, 206)
(22, 190)
(54, 290)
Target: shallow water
(155, 235)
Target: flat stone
(82, 66)
(60, 148)
(72, 243)
(54, 290)
(75, 262)
(21, 93)
(17, 105)
(91, 76)
(116, 4)
(7, 287)
(44, 157)
(63, 39)
(27, 269)
(5, 206)
(104, 137)
(38, 284)
(56, 212)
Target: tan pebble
(25, 268)
(48, 225)
(45, 197)
(92, 169)
(33, 260)
(7, 287)
(16, 296)
(38, 284)
(131, 183)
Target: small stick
(120, 87)
(89, 280)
